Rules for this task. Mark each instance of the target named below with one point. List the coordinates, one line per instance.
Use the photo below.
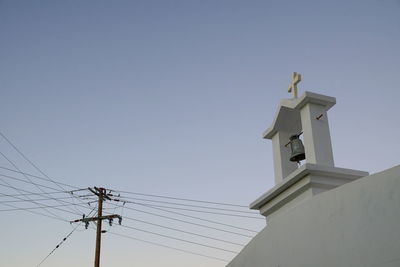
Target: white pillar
(316, 135)
(282, 164)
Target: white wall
(355, 225)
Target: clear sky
(171, 98)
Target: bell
(297, 149)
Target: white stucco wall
(355, 225)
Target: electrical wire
(27, 182)
(194, 217)
(38, 177)
(58, 245)
(159, 196)
(201, 211)
(37, 213)
(21, 180)
(26, 175)
(62, 241)
(39, 204)
(20, 190)
(183, 199)
(150, 195)
(158, 206)
(135, 193)
(28, 160)
(169, 247)
(16, 167)
(74, 204)
(186, 205)
(32, 194)
(179, 239)
(45, 206)
(196, 224)
(183, 231)
(36, 199)
(182, 240)
(180, 220)
(31, 163)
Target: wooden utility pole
(98, 230)
(102, 195)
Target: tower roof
(287, 117)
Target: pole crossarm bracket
(100, 192)
(90, 219)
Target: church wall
(357, 225)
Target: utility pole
(101, 193)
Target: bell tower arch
(306, 115)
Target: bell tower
(304, 116)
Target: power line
(56, 207)
(149, 242)
(24, 194)
(134, 193)
(218, 203)
(183, 231)
(37, 213)
(194, 217)
(170, 247)
(44, 206)
(38, 177)
(19, 190)
(33, 194)
(179, 239)
(16, 167)
(35, 176)
(36, 199)
(143, 194)
(154, 206)
(183, 220)
(28, 160)
(183, 199)
(150, 195)
(30, 193)
(39, 204)
(58, 245)
(161, 206)
(27, 182)
(186, 205)
(21, 180)
(62, 241)
(196, 224)
(201, 211)
(39, 186)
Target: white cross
(296, 78)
